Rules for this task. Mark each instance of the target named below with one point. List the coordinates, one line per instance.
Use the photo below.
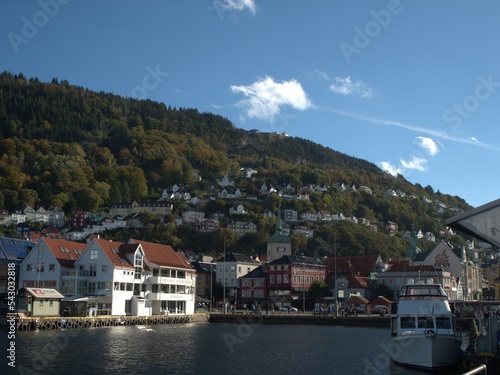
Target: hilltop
(66, 146)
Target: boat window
(443, 323)
(423, 322)
(407, 322)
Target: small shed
(356, 302)
(43, 301)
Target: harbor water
(245, 348)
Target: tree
(317, 290)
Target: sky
(411, 86)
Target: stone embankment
(48, 323)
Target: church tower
(279, 244)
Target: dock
(53, 323)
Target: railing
(477, 370)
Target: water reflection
(209, 349)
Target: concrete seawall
(50, 323)
(359, 321)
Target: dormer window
(138, 259)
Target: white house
(169, 280)
(50, 264)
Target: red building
(253, 287)
(290, 277)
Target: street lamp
(335, 272)
(303, 287)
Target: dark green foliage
(66, 146)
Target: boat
(424, 333)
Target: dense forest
(67, 146)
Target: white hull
(425, 352)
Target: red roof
(404, 266)
(358, 282)
(162, 255)
(353, 266)
(111, 249)
(380, 300)
(66, 252)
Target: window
(100, 285)
(29, 267)
(51, 267)
(278, 279)
(138, 259)
(239, 269)
(104, 268)
(93, 270)
(271, 279)
(285, 279)
(94, 254)
(92, 288)
(407, 322)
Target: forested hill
(67, 146)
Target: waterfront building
(454, 259)
(230, 268)
(12, 251)
(41, 301)
(205, 278)
(290, 277)
(253, 286)
(50, 264)
(168, 280)
(405, 272)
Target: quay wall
(373, 321)
(48, 323)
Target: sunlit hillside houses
(150, 206)
(53, 216)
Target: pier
(53, 323)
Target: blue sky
(411, 86)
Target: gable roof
(295, 259)
(236, 257)
(355, 265)
(66, 252)
(257, 273)
(162, 255)
(112, 250)
(357, 300)
(380, 300)
(404, 266)
(358, 282)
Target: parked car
(293, 309)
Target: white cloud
(346, 86)
(236, 6)
(415, 163)
(428, 145)
(389, 168)
(265, 97)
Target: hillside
(66, 146)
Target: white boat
(423, 330)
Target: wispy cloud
(428, 145)
(265, 97)
(348, 86)
(234, 6)
(436, 133)
(345, 85)
(415, 163)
